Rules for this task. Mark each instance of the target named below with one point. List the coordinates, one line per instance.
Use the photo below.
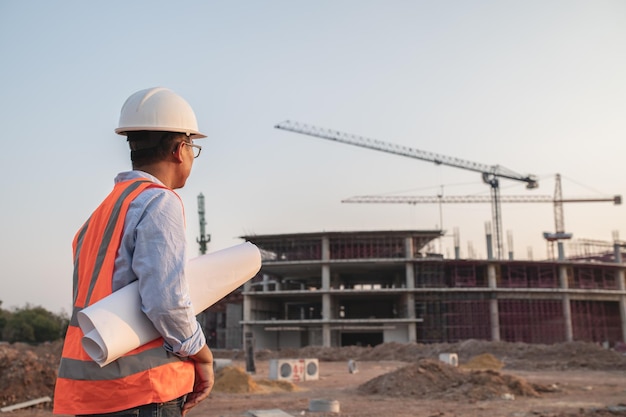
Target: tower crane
(559, 223)
(557, 200)
(491, 174)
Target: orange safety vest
(148, 374)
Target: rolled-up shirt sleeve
(159, 261)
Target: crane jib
(350, 139)
(490, 173)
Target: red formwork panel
(529, 276)
(430, 275)
(453, 321)
(543, 276)
(364, 247)
(467, 319)
(596, 321)
(462, 275)
(594, 277)
(513, 276)
(531, 321)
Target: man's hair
(148, 147)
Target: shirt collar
(134, 174)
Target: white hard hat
(158, 109)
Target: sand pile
(235, 380)
(483, 361)
(436, 380)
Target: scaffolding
(588, 277)
(596, 321)
(370, 287)
(528, 275)
(531, 321)
(452, 320)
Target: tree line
(31, 324)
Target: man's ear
(177, 154)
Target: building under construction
(366, 288)
(369, 287)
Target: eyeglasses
(195, 148)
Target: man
(138, 234)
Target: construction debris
(25, 404)
(268, 413)
(29, 372)
(324, 405)
(430, 378)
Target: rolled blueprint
(116, 325)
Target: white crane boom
(490, 173)
(463, 199)
(450, 199)
(438, 159)
(557, 200)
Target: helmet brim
(193, 134)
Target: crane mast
(490, 173)
(204, 238)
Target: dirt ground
(400, 380)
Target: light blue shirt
(153, 251)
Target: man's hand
(203, 363)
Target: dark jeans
(169, 409)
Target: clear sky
(537, 86)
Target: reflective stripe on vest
(97, 243)
(145, 375)
(126, 365)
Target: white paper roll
(116, 325)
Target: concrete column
(326, 300)
(494, 313)
(245, 330)
(410, 301)
(617, 250)
(247, 308)
(408, 247)
(325, 266)
(326, 341)
(410, 271)
(326, 306)
(410, 307)
(326, 303)
(619, 276)
(489, 240)
(325, 277)
(325, 248)
(622, 300)
(560, 250)
(247, 315)
(247, 286)
(409, 268)
(266, 280)
(410, 284)
(567, 308)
